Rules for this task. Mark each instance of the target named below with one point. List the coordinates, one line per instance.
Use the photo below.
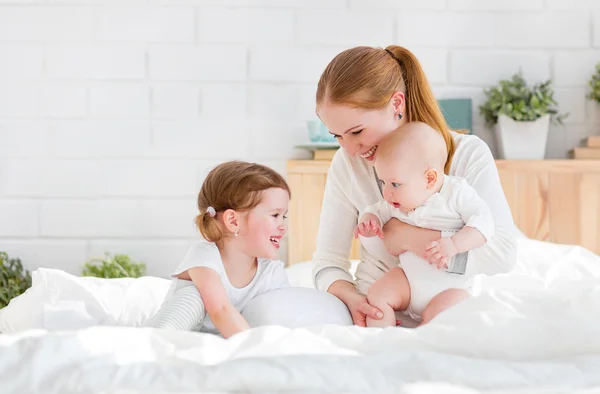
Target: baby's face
(404, 183)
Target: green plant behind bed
(515, 99)
(119, 266)
(14, 279)
(594, 85)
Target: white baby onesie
(183, 308)
(456, 204)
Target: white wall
(111, 112)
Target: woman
(363, 95)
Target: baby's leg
(183, 310)
(444, 300)
(390, 293)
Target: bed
(531, 331)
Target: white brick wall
(495, 5)
(43, 23)
(99, 139)
(175, 101)
(122, 101)
(446, 29)
(96, 61)
(113, 111)
(286, 64)
(197, 63)
(245, 25)
(18, 99)
(23, 139)
(494, 65)
(61, 100)
(18, 218)
(574, 68)
(566, 29)
(145, 24)
(224, 101)
(21, 61)
(319, 27)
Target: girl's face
(264, 226)
(360, 130)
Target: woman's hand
(360, 308)
(357, 303)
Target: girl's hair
(233, 185)
(367, 77)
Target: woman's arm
(476, 165)
(218, 307)
(399, 237)
(331, 266)
(336, 226)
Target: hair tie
(211, 211)
(393, 56)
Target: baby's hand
(368, 227)
(440, 252)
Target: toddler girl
(242, 217)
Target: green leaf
(594, 85)
(14, 279)
(521, 102)
(117, 266)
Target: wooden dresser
(550, 200)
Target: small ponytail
(209, 227)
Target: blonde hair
(367, 77)
(233, 185)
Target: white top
(455, 205)
(270, 275)
(351, 186)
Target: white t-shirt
(351, 186)
(455, 205)
(270, 275)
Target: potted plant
(119, 266)
(594, 85)
(521, 115)
(14, 279)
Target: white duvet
(533, 330)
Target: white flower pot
(522, 140)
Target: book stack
(324, 154)
(591, 150)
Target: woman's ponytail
(421, 104)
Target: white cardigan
(351, 187)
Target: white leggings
(182, 309)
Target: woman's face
(360, 130)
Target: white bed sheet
(533, 330)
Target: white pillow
(295, 307)
(298, 306)
(58, 300)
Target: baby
(410, 167)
